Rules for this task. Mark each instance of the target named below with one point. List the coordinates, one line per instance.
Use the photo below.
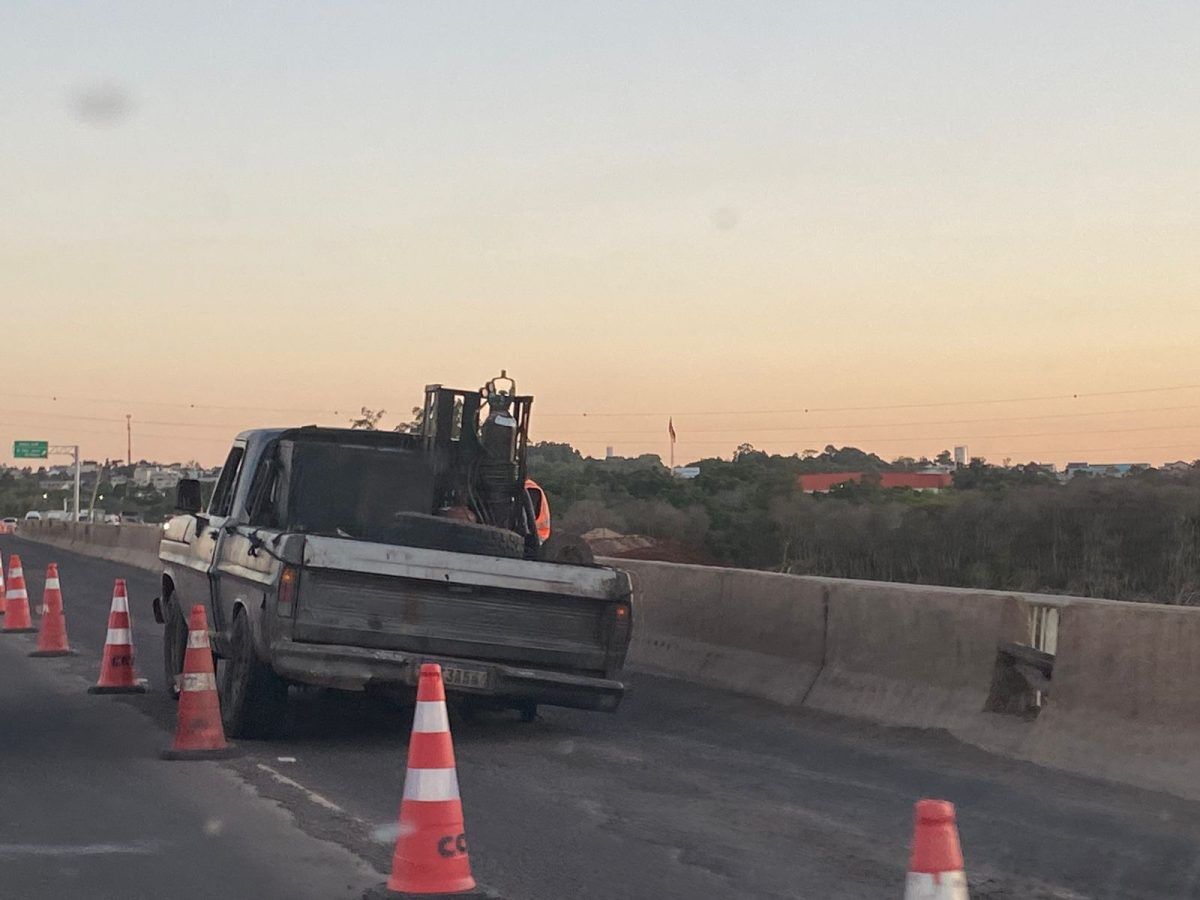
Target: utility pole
(128, 439)
(73, 449)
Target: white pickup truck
(338, 558)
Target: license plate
(459, 677)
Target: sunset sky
(901, 226)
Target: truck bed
(515, 612)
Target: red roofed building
(821, 482)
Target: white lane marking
(431, 785)
(431, 717)
(288, 759)
(316, 798)
(132, 847)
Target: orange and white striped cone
(116, 663)
(3, 593)
(431, 851)
(199, 733)
(935, 868)
(52, 639)
(16, 600)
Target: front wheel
(175, 634)
(253, 697)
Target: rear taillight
(289, 583)
(622, 616)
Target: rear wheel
(175, 633)
(253, 697)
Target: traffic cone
(116, 663)
(3, 601)
(52, 639)
(199, 733)
(431, 850)
(16, 614)
(935, 867)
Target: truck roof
(357, 436)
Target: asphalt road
(684, 793)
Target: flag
(671, 429)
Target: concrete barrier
(753, 632)
(136, 545)
(1125, 703)
(914, 655)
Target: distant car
(33, 516)
(10, 521)
(112, 519)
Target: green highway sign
(31, 449)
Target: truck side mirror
(187, 496)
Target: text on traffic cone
(52, 639)
(16, 599)
(935, 867)
(431, 851)
(116, 663)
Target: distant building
(1176, 468)
(823, 482)
(937, 469)
(960, 455)
(608, 452)
(686, 471)
(1104, 470)
(165, 479)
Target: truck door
(207, 535)
(243, 573)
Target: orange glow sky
(694, 210)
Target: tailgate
(455, 604)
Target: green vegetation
(27, 489)
(1008, 528)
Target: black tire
(438, 533)
(253, 697)
(175, 632)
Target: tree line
(999, 527)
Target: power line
(888, 406)
(856, 425)
(609, 414)
(173, 404)
(734, 430)
(984, 437)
